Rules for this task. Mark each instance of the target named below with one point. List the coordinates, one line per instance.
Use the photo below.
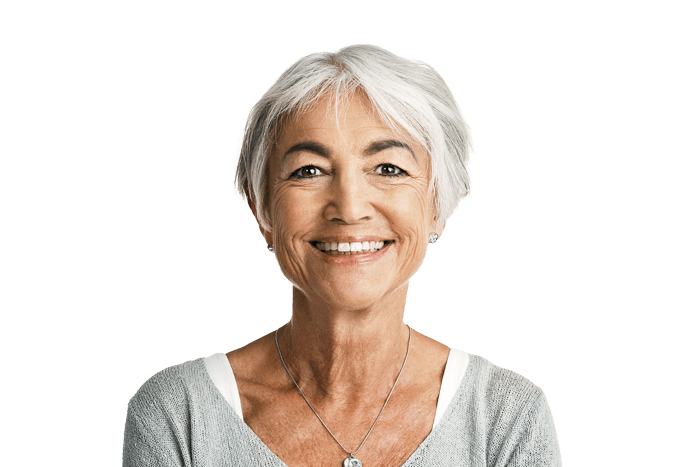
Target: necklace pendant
(352, 462)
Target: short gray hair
(408, 95)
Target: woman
(351, 164)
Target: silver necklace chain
(352, 454)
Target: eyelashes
(383, 170)
(308, 171)
(389, 170)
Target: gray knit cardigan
(496, 419)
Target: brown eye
(389, 170)
(308, 171)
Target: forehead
(351, 117)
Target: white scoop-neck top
(221, 373)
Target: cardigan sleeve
(147, 446)
(155, 433)
(537, 445)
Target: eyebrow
(324, 151)
(310, 146)
(378, 146)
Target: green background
(125, 251)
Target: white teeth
(348, 248)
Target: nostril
(349, 203)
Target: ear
(440, 228)
(251, 204)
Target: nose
(349, 199)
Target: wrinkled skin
(348, 194)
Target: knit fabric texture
(496, 419)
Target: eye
(389, 170)
(308, 171)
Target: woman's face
(344, 181)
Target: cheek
(288, 208)
(285, 235)
(291, 218)
(412, 220)
(411, 211)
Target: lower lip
(356, 259)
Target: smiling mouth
(353, 248)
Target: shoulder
(498, 385)
(513, 411)
(500, 399)
(168, 388)
(177, 416)
(497, 418)
(517, 419)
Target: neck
(341, 354)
